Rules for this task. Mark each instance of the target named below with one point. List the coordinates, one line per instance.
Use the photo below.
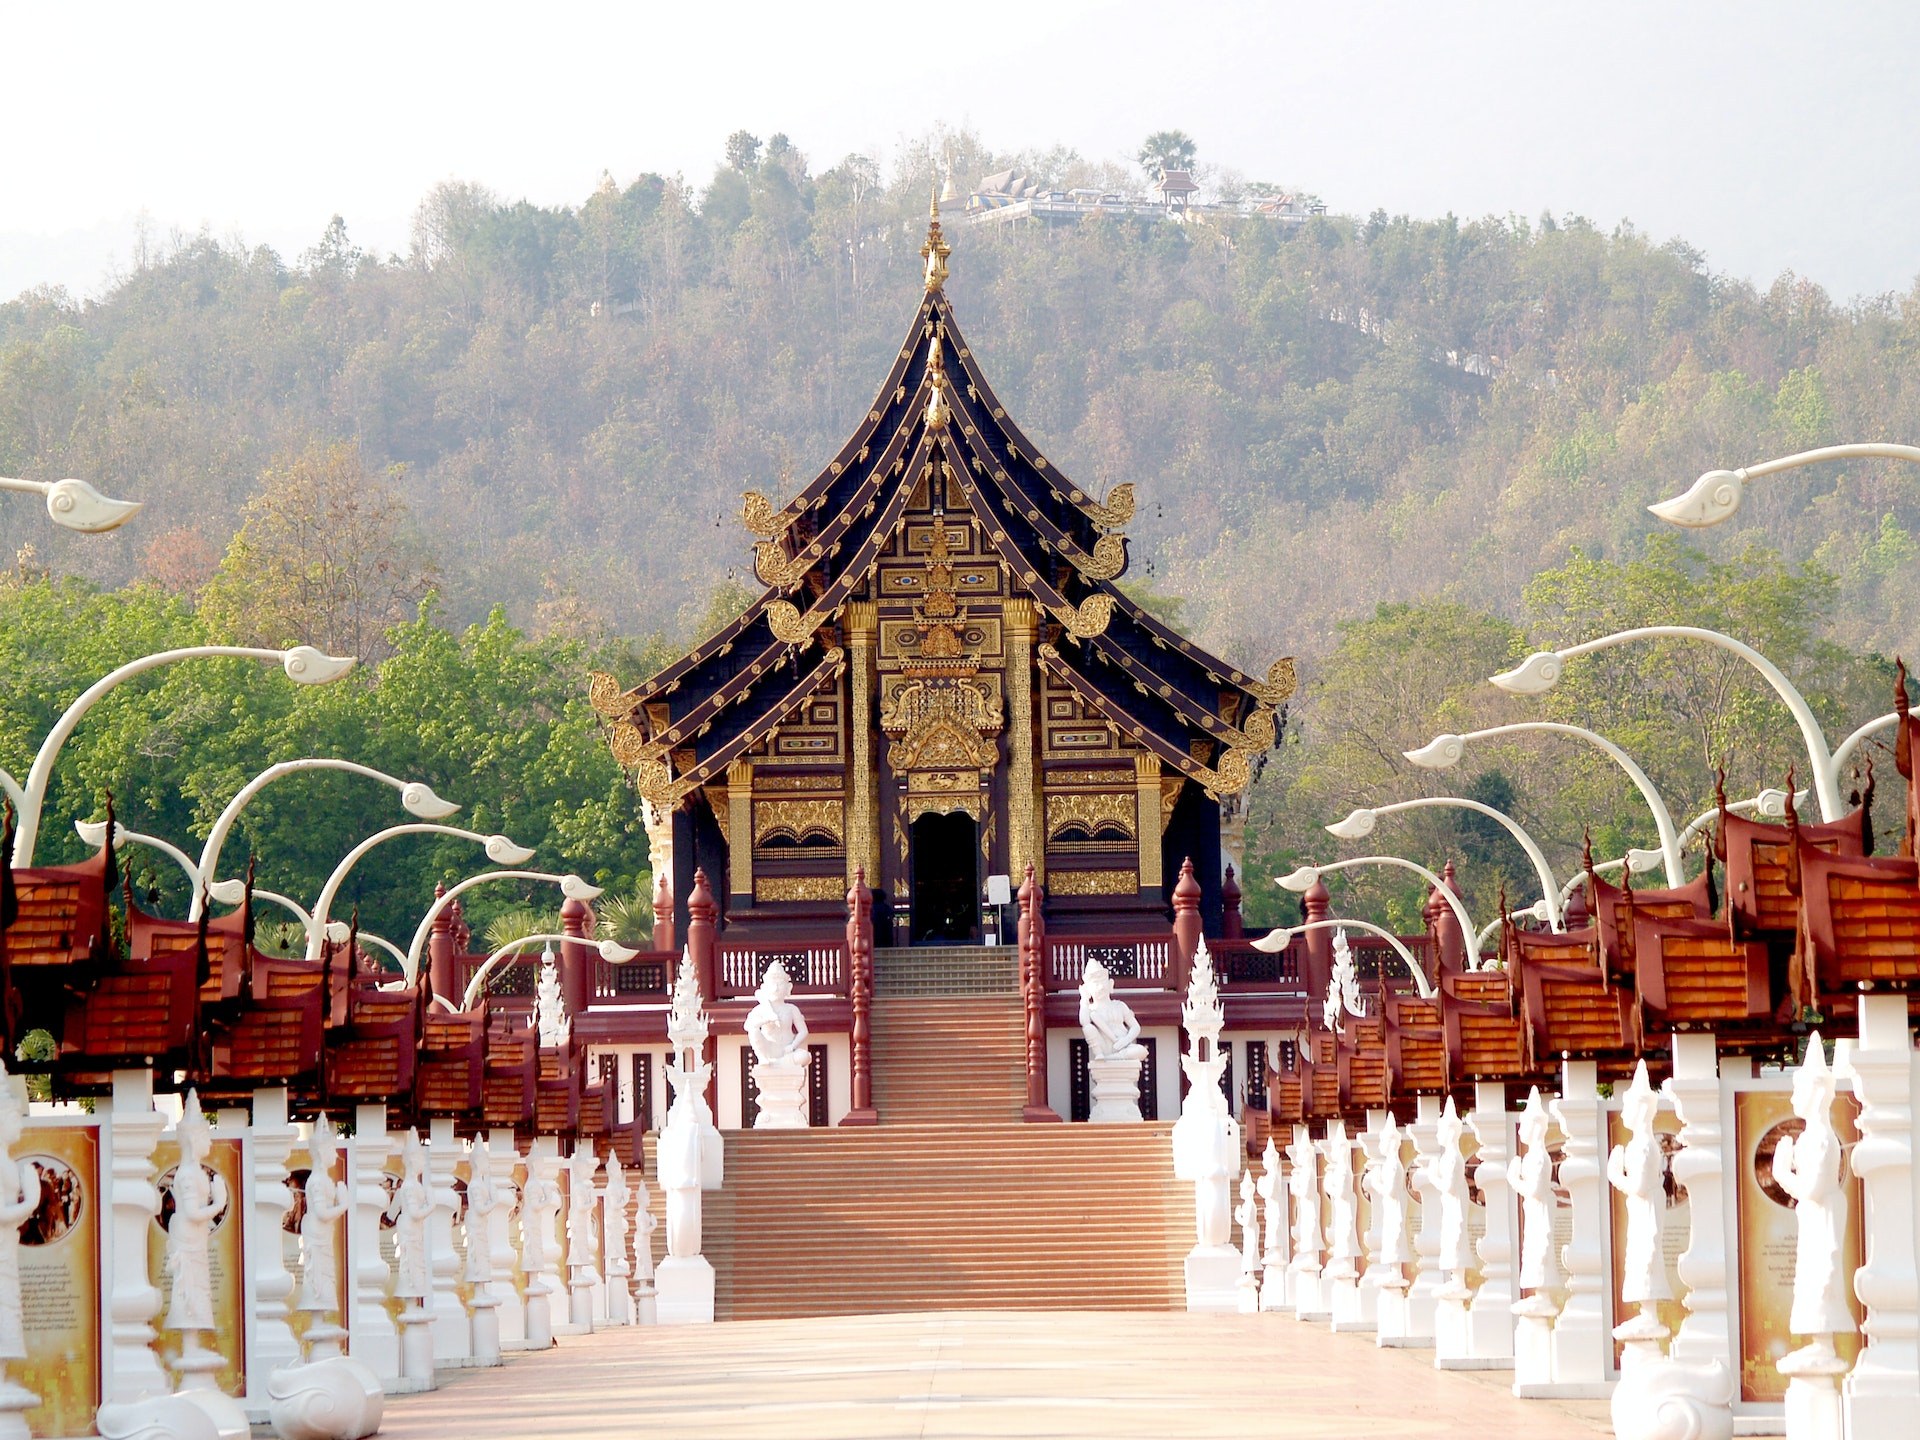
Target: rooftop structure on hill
(1011, 195)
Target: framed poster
(60, 1277)
(1765, 1241)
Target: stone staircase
(947, 970)
(950, 1202)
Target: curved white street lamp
(1542, 670)
(94, 833)
(1276, 940)
(499, 848)
(612, 951)
(417, 798)
(571, 886)
(1717, 494)
(1302, 880)
(76, 505)
(1359, 824)
(234, 892)
(1444, 751)
(303, 664)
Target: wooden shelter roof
(936, 413)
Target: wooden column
(863, 810)
(576, 956)
(1231, 925)
(1186, 928)
(740, 831)
(1146, 779)
(440, 954)
(1033, 986)
(860, 990)
(1317, 963)
(663, 909)
(1023, 842)
(701, 913)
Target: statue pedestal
(783, 1093)
(683, 1290)
(1307, 1290)
(1116, 1091)
(416, 1347)
(486, 1325)
(1813, 1390)
(1273, 1285)
(326, 1399)
(15, 1401)
(1533, 1319)
(197, 1366)
(1213, 1279)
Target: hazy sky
(1773, 136)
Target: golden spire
(936, 250)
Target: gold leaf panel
(798, 887)
(1092, 811)
(1094, 882)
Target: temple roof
(682, 727)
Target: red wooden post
(1451, 944)
(440, 963)
(1231, 926)
(701, 913)
(1033, 979)
(576, 958)
(662, 912)
(1318, 964)
(1186, 928)
(860, 991)
(462, 932)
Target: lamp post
(303, 664)
(1444, 751)
(1717, 494)
(1542, 670)
(1304, 878)
(499, 848)
(571, 886)
(418, 799)
(1359, 824)
(612, 951)
(1277, 940)
(76, 505)
(94, 833)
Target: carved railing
(1136, 962)
(1241, 967)
(816, 968)
(644, 979)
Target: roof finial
(936, 250)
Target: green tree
(1166, 150)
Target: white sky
(1771, 135)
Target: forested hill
(1317, 420)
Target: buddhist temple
(941, 683)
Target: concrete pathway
(980, 1373)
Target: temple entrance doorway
(946, 881)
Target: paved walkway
(979, 1373)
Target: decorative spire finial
(936, 250)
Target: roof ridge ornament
(936, 250)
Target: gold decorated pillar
(863, 825)
(1023, 847)
(740, 828)
(1146, 779)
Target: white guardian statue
(1114, 1051)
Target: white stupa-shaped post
(1272, 1187)
(1206, 1145)
(690, 1159)
(1807, 1167)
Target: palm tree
(1166, 150)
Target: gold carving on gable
(1118, 509)
(1170, 788)
(1282, 677)
(773, 567)
(798, 819)
(1108, 559)
(759, 516)
(1087, 777)
(1092, 811)
(795, 782)
(1088, 619)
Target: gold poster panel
(225, 1261)
(1766, 1238)
(60, 1278)
(1676, 1226)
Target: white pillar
(272, 1345)
(512, 1310)
(1490, 1316)
(1418, 1330)
(1700, 1165)
(372, 1338)
(1342, 1273)
(543, 1279)
(1273, 1189)
(1582, 1336)
(1305, 1285)
(452, 1332)
(1882, 1394)
(133, 1369)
